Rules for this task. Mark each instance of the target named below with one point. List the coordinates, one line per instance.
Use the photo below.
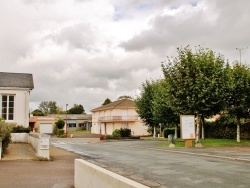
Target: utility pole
(66, 122)
(240, 52)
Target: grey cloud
(195, 29)
(80, 36)
(75, 59)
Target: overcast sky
(84, 51)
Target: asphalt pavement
(150, 164)
(19, 167)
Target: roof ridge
(121, 100)
(112, 104)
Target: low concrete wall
(20, 137)
(88, 175)
(40, 143)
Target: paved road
(162, 167)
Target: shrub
(60, 133)
(125, 132)
(20, 129)
(55, 130)
(60, 123)
(224, 127)
(116, 133)
(5, 137)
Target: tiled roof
(19, 80)
(123, 103)
(72, 116)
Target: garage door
(46, 128)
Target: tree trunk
(202, 128)
(197, 139)
(197, 135)
(238, 130)
(154, 135)
(202, 132)
(175, 131)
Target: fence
(40, 143)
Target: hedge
(226, 127)
(5, 134)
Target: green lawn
(79, 132)
(210, 142)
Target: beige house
(116, 115)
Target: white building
(14, 97)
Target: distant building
(14, 97)
(45, 124)
(115, 115)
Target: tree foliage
(197, 82)
(37, 112)
(124, 97)
(5, 134)
(162, 111)
(144, 103)
(107, 101)
(239, 101)
(60, 123)
(153, 106)
(48, 107)
(76, 109)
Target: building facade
(14, 97)
(116, 115)
(46, 124)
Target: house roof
(18, 80)
(123, 103)
(53, 117)
(72, 116)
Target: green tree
(60, 110)
(153, 106)
(76, 109)
(48, 107)
(37, 112)
(239, 101)
(60, 123)
(124, 97)
(144, 103)
(198, 82)
(162, 111)
(107, 101)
